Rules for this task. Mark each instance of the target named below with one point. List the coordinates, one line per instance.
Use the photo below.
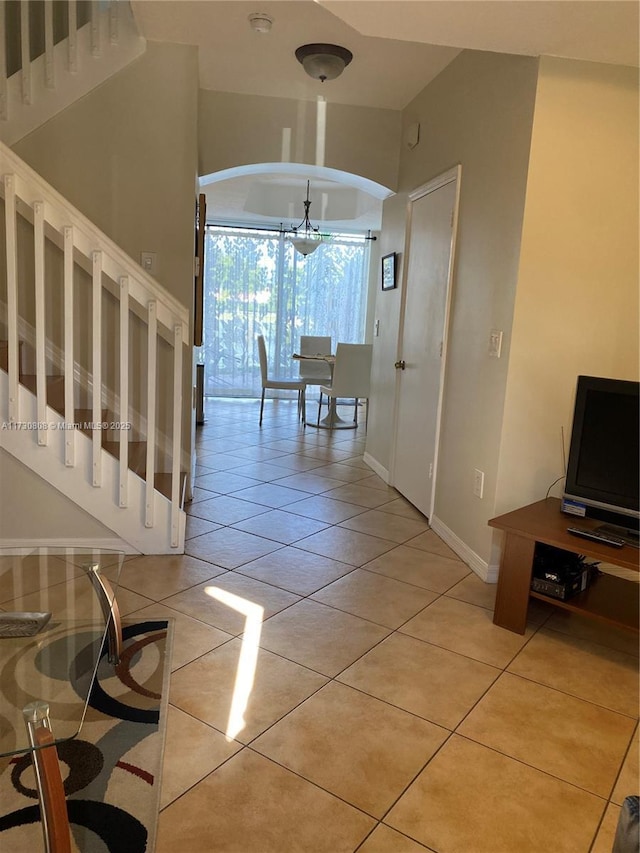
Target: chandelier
(306, 238)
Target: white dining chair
(315, 372)
(280, 384)
(351, 377)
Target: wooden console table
(609, 598)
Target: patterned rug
(112, 770)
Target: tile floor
(338, 684)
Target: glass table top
(57, 665)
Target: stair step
(138, 464)
(55, 389)
(4, 356)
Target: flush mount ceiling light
(260, 22)
(323, 61)
(306, 238)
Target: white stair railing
(28, 197)
(42, 86)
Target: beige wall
(31, 509)
(576, 309)
(239, 130)
(477, 112)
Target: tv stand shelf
(609, 598)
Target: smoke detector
(260, 22)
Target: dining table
(331, 420)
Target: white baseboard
(380, 470)
(485, 571)
(107, 544)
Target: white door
(422, 343)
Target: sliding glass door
(257, 284)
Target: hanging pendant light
(306, 238)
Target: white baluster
(176, 438)
(39, 267)
(12, 295)
(152, 352)
(25, 44)
(4, 104)
(114, 22)
(49, 74)
(72, 43)
(95, 28)
(96, 368)
(69, 408)
(123, 414)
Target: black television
(603, 476)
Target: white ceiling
(398, 47)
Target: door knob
(400, 365)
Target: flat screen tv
(603, 466)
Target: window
(256, 284)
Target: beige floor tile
(381, 599)
(159, 576)
(320, 637)
(344, 472)
(393, 527)
(225, 509)
(566, 737)
(466, 629)
(596, 632)
(325, 509)
(198, 526)
(587, 670)
(433, 683)
(192, 751)
(607, 831)
(229, 548)
(217, 611)
(473, 590)
(401, 506)
(251, 805)
(295, 462)
(224, 482)
(309, 482)
(430, 541)
(470, 798)
(355, 493)
(295, 570)
(358, 748)
(348, 546)
(420, 568)
(281, 526)
(265, 471)
(206, 689)
(191, 637)
(628, 782)
(383, 839)
(271, 494)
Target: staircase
(91, 366)
(72, 46)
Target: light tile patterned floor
(386, 713)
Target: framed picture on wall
(389, 271)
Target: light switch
(377, 328)
(495, 343)
(149, 262)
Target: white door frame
(451, 175)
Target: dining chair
(315, 372)
(351, 377)
(280, 384)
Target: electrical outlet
(478, 483)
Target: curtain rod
(283, 230)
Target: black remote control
(596, 536)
